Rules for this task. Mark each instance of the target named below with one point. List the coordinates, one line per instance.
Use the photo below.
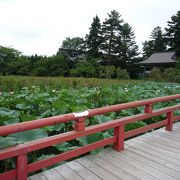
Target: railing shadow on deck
(20, 151)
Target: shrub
(84, 69)
(155, 74)
(108, 72)
(171, 75)
(122, 74)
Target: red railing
(20, 151)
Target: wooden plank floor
(155, 155)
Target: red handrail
(20, 151)
(18, 127)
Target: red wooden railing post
(80, 124)
(148, 108)
(22, 163)
(119, 134)
(169, 125)
(22, 167)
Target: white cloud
(39, 26)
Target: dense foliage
(108, 45)
(33, 102)
(170, 75)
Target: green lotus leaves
(102, 119)
(31, 135)
(31, 103)
(91, 139)
(7, 142)
(7, 116)
(57, 127)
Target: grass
(14, 83)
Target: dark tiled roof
(162, 57)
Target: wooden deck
(155, 155)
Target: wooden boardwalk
(154, 155)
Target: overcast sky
(40, 26)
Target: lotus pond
(34, 102)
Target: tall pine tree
(173, 33)
(127, 46)
(148, 49)
(93, 39)
(155, 44)
(111, 31)
(158, 39)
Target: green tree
(173, 33)
(148, 49)
(7, 56)
(73, 48)
(158, 39)
(8, 53)
(19, 66)
(75, 43)
(127, 47)
(155, 44)
(111, 32)
(58, 66)
(93, 39)
(37, 65)
(55, 65)
(86, 68)
(40, 66)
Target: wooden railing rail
(21, 151)
(9, 129)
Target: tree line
(109, 50)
